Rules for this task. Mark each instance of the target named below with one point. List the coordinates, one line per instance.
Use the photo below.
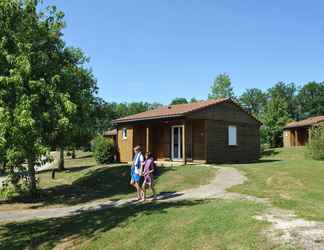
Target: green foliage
(254, 101)
(104, 112)
(311, 99)
(274, 118)
(222, 87)
(286, 93)
(43, 85)
(179, 100)
(104, 150)
(315, 146)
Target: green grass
(85, 181)
(288, 180)
(216, 224)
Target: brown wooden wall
(224, 112)
(218, 150)
(125, 146)
(295, 137)
(198, 140)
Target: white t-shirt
(138, 162)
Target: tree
(253, 100)
(310, 99)
(81, 88)
(38, 80)
(221, 88)
(193, 100)
(274, 117)
(179, 100)
(287, 93)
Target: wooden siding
(295, 137)
(248, 142)
(198, 140)
(224, 112)
(125, 146)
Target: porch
(295, 137)
(173, 140)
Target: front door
(176, 144)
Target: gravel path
(286, 228)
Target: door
(176, 144)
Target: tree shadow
(269, 152)
(111, 182)
(86, 225)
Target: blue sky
(155, 50)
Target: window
(124, 133)
(232, 135)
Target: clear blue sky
(155, 50)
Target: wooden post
(184, 143)
(296, 138)
(147, 139)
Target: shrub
(315, 146)
(103, 149)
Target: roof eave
(116, 122)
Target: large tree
(253, 100)
(38, 83)
(222, 87)
(274, 117)
(286, 93)
(310, 99)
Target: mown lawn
(288, 180)
(214, 224)
(85, 181)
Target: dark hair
(149, 155)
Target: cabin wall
(218, 150)
(295, 137)
(224, 112)
(125, 146)
(287, 138)
(198, 140)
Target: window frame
(232, 131)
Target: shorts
(135, 177)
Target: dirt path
(286, 227)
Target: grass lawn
(85, 181)
(214, 224)
(289, 180)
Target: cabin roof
(171, 111)
(305, 123)
(112, 132)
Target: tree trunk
(73, 153)
(32, 177)
(61, 159)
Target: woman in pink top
(147, 173)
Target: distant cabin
(111, 134)
(298, 133)
(210, 131)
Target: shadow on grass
(96, 184)
(269, 152)
(30, 235)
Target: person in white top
(136, 171)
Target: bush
(104, 150)
(315, 146)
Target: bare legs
(144, 188)
(138, 189)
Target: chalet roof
(110, 132)
(171, 111)
(305, 123)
